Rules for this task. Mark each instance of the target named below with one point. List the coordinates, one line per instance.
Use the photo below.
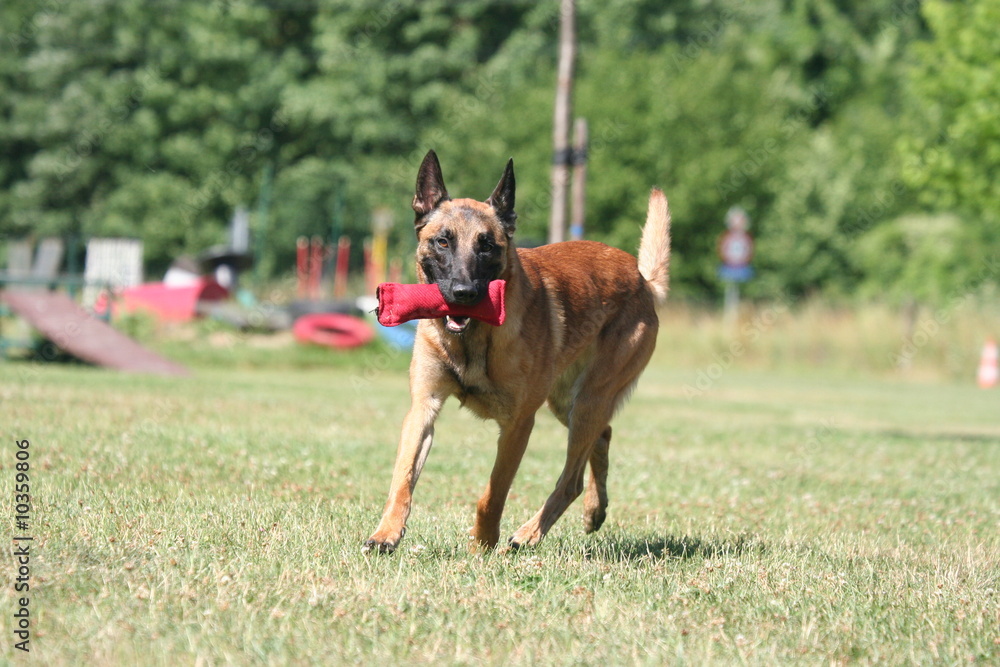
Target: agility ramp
(70, 327)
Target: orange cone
(988, 365)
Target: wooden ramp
(70, 327)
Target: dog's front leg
(414, 446)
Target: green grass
(775, 517)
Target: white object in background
(115, 263)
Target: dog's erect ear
(430, 188)
(502, 199)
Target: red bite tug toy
(402, 303)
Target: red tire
(341, 332)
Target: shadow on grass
(907, 437)
(630, 548)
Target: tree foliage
(953, 161)
(123, 118)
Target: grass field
(788, 517)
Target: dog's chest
(469, 366)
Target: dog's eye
(486, 246)
(442, 242)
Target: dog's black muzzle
(463, 293)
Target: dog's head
(462, 244)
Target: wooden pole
(731, 306)
(260, 232)
(563, 111)
(579, 193)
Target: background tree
(147, 123)
(121, 117)
(951, 150)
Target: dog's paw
(593, 520)
(525, 538)
(374, 546)
(382, 544)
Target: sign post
(736, 251)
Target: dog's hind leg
(595, 501)
(588, 422)
(510, 449)
(596, 396)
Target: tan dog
(581, 326)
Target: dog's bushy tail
(654, 249)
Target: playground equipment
(111, 263)
(333, 330)
(70, 327)
(309, 258)
(168, 303)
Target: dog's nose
(464, 293)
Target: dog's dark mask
(462, 274)
(462, 243)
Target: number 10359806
(22, 484)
